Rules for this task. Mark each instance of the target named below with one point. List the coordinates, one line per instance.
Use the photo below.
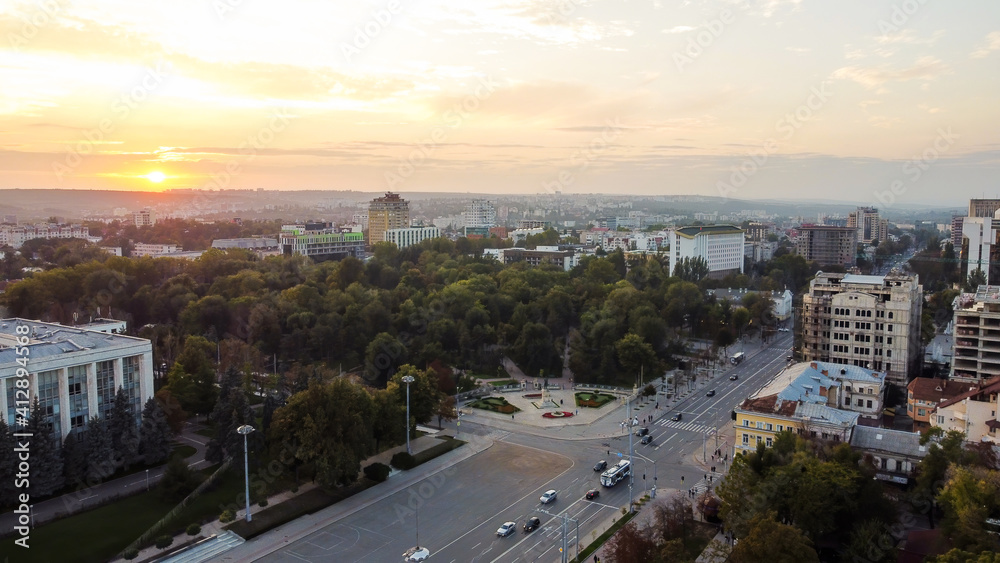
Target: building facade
(721, 246)
(74, 372)
(387, 212)
(410, 236)
(870, 227)
(977, 336)
(479, 217)
(983, 207)
(149, 249)
(984, 246)
(16, 235)
(828, 245)
(325, 243)
(144, 218)
(973, 413)
(923, 395)
(865, 321)
(894, 453)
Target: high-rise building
(977, 330)
(758, 231)
(956, 233)
(870, 227)
(828, 245)
(983, 207)
(867, 321)
(479, 217)
(720, 245)
(984, 246)
(384, 213)
(144, 218)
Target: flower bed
(532, 396)
(495, 404)
(592, 400)
(557, 414)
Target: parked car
(592, 494)
(733, 377)
(532, 524)
(601, 465)
(548, 496)
(676, 418)
(416, 554)
(710, 393)
(647, 439)
(642, 432)
(507, 529)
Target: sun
(156, 177)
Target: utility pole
(565, 536)
(631, 464)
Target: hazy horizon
(890, 104)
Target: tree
(871, 541)
(424, 395)
(100, 451)
(74, 455)
(975, 279)
(635, 355)
(46, 460)
(154, 434)
(192, 377)
(178, 480)
(121, 427)
(383, 356)
(630, 545)
(534, 350)
(970, 496)
(231, 411)
(773, 542)
(172, 410)
(8, 464)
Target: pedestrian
(512, 417)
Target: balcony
(966, 332)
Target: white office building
(720, 245)
(73, 371)
(410, 236)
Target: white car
(549, 496)
(507, 529)
(416, 554)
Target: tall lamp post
(246, 429)
(408, 379)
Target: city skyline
(886, 104)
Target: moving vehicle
(416, 554)
(733, 377)
(600, 465)
(548, 496)
(592, 494)
(737, 358)
(710, 393)
(647, 439)
(676, 418)
(613, 476)
(642, 432)
(532, 524)
(507, 529)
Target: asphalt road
(461, 508)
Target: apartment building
(479, 217)
(758, 231)
(410, 236)
(923, 395)
(144, 218)
(828, 245)
(75, 372)
(815, 399)
(866, 321)
(16, 235)
(977, 336)
(973, 413)
(870, 227)
(984, 246)
(894, 453)
(720, 245)
(384, 213)
(141, 249)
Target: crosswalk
(689, 426)
(702, 485)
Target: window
(770, 426)
(746, 439)
(768, 441)
(890, 328)
(758, 439)
(781, 428)
(760, 425)
(940, 419)
(888, 353)
(888, 340)
(847, 401)
(890, 316)
(78, 407)
(746, 423)
(869, 405)
(48, 399)
(921, 412)
(130, 381)
(105, 387)
(860, 402)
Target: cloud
(679, 29)
(992, 44)
(909, 37)
(925, 68)
(798, 49)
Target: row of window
(768, 441)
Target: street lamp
(408, 379)
(246, 429)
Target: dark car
(676, 418)
(642, 432)
(532, 524)
(710, 393)
(647, 439)
(733, 377)
(592, 494)
(601, 465)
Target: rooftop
(51, 339)
(868, 280)
(937, 390)
(824, 413)
(695, 230)
(888, 440)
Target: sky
(882, 102)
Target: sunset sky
(745, 99)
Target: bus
(737, 358)
(612, 476)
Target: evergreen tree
(74, 454)
(46, 461)
(154, 434)
(232, 410)
(124, 434)
(267, 413)
(100, 451)
(8, 464)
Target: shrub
(403, 460)
(228, 515)
(193, 529)
(130, 554)
(263, 502)
(163, 541)
(377, 472)
(294, 490)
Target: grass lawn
(593, 400)
(206, 432)
(504, 383)
(495, 404)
